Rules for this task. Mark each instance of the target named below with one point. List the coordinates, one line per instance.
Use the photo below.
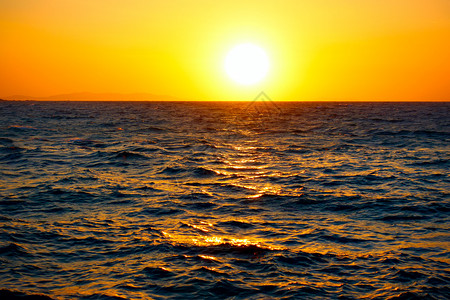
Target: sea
(224, 200)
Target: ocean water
(214, 200)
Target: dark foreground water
(225, 200)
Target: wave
(22, 127)
(196, 172)
(13, 249)
(421, 133)
(16, 295)
(128, 155)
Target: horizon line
(186, 100)
(149, 97)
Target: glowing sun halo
(247, 64)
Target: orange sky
(319, 49)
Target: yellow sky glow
(318, 49)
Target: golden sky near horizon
(318, 49)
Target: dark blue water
(135, 200)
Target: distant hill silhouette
(85, 96)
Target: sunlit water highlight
(221, 200)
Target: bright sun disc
(247, 64)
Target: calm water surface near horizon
(239, 200)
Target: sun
(247, 64)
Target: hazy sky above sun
(318, 49)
